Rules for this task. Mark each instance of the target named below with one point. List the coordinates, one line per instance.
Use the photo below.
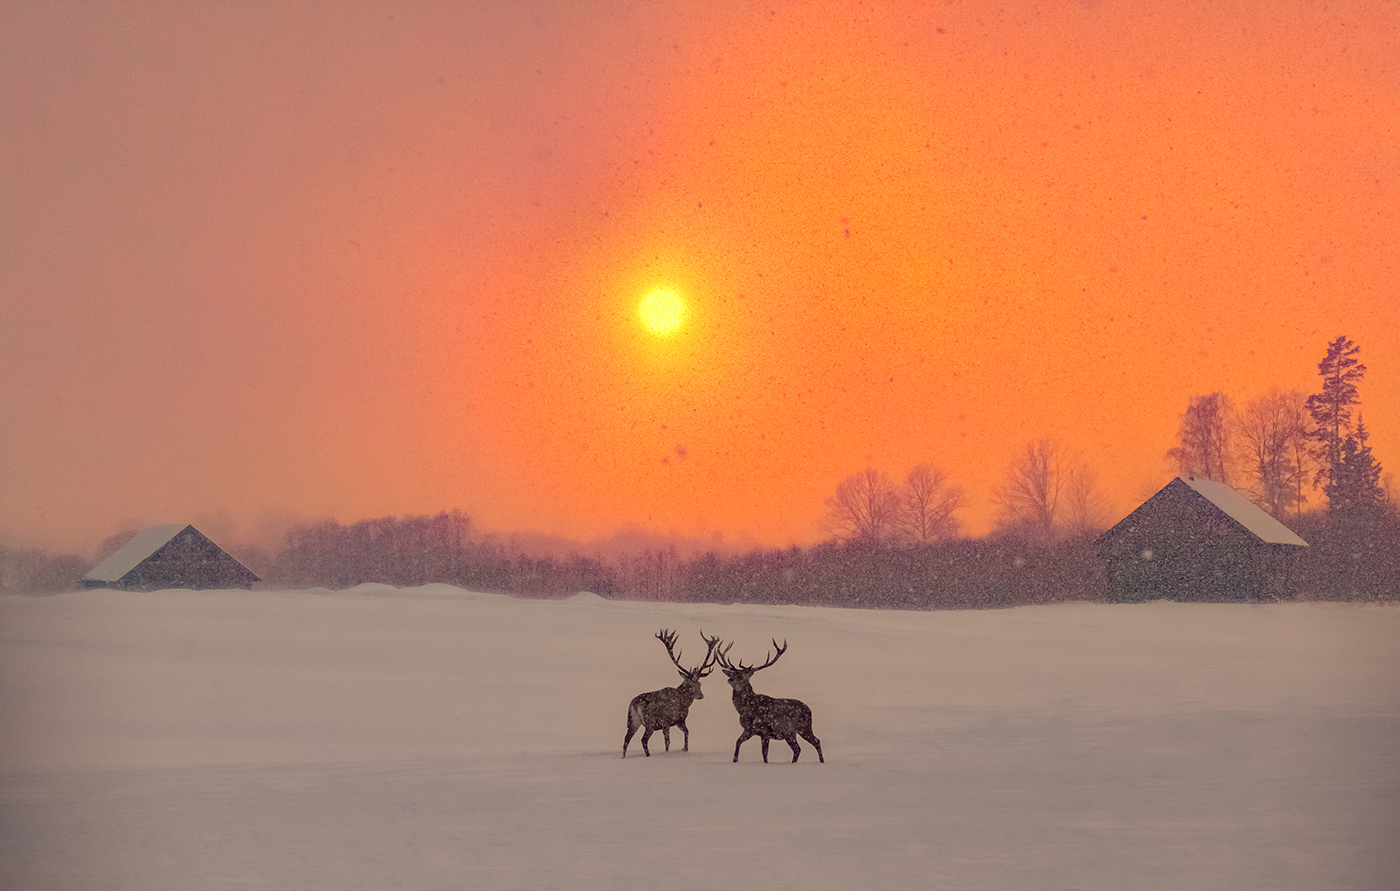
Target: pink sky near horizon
(261, 265)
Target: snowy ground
(435, 739)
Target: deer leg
(812, 738)
(764, 740)
(743, 736)
(635, 722)
(686, 731)
(646, 735)
(796, 749)
(666, 735)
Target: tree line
(34, 570)
(415, 551)
(863, 573)
(1048, 494)
(1285, 449)
(1306, 460)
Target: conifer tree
(1355, 494)
(1331, 409)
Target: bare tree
(1203, 441)
(1305, 462)
(1048, 491)
(1085, 509)
(1274, 448)
(1029, 497)
(927, 505)
(864, 508)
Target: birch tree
(1204, 438)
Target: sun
(662, 312)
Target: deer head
(739, 674)
(690, 677)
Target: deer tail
(634, 717)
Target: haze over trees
(35, 571)
(897, 545)
(420, 550)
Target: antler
(781, 650)
(720, 655)
(714, 654)
(669, 639)
(725, 663)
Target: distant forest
(1305, 460)
(1000, 570)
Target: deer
(668, 707)
(764, 716)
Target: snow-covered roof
(142, 545)
(1243, 511)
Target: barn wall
(1179, 546)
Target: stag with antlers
(664, 709)
(764, 716)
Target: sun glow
(662, 312)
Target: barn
(170, 557)
(1199, 539)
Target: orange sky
(268, 264)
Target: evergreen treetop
(1331, 409)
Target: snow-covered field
(436, 739)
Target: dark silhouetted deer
(764, 716)
(664, 709)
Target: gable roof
(1189, 493)
(142, 545)
(1245, 512)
